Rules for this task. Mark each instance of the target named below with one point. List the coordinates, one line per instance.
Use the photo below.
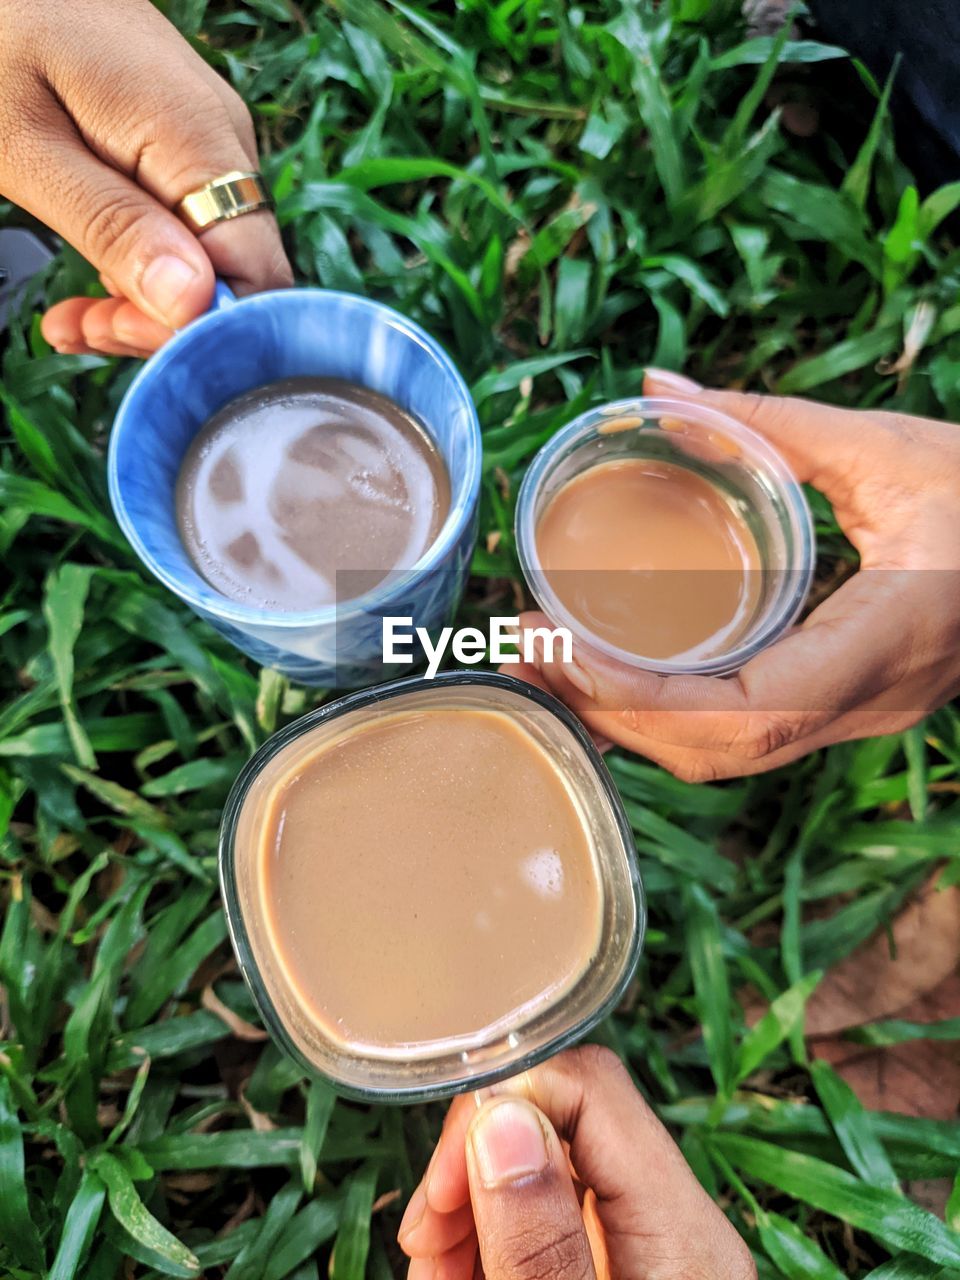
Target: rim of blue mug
(211, 602)
(785, 611)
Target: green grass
(562, 195)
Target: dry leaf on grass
(181, 1186)
(241, 1029)
(914, 978)
(879, 980)
(920, 1077)
(260, 1122)
(382, 1202)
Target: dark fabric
(926, 96)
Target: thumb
(524, 1202)
(819, 441)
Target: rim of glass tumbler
(241, 941)
(458, 518)
(790, 490)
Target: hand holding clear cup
(564, 1171)
(876, 656)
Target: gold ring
(224, 198)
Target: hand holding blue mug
(109, 119)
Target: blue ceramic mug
(242, 344)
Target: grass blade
(63, 599)
(353, 1239)
(854, 1127)
(251, 1263)
(856, 183)
(797, 1256)
(785, 1014)
(711, 983)
(233, 1148)
(896, 1031)
(79, 1227)
(653, 100)
(132, 1214)
(889, 1217)
(17, 1228)
(313, 1226)
(320, 1103)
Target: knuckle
(632, 719)
(597, 1061)
(239, 113)
(695, 767)
(190, 141)
(112, 225)
(760, 736)
(540, 1253)
(756, 410)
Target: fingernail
(579, 677)
(164, 283)
(413, 1215)
(481, 1096)
(669, 381)
(508, 1143)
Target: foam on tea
(651, 557)
(425, 876)
(293, 481)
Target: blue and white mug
(242, 344)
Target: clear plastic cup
(437, 1068)
(749, 474)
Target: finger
(462, 1262)
(182, 127)
(248, 253)
(526, 1208)
(188, 152)
(892, 711)
(440, 1205)
(132, 326)
(102, 324)
(147, 252)
(656, 1217)
(845, 653)
(821, 442)
(126, 228)
(530, 674)
(114, 322)
(445, 1181)
(425, 1233)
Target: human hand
(499, 1200)
(108, 120)
(877, 656)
